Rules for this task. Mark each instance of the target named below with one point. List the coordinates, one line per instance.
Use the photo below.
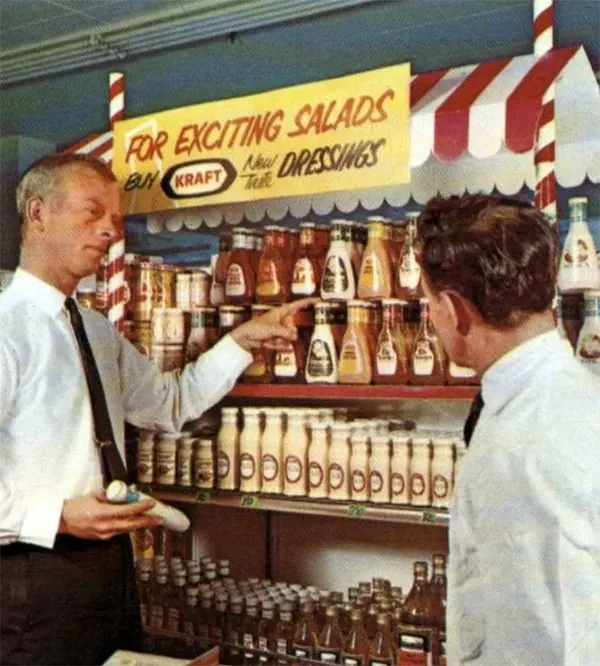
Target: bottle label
(376, 482)
(336, 476)
(247, 466)
(285, 362)
(414, 649)
(335, 277)
(417, 484)
(262, 643)
(303, 652)
(248, 642)
(578, 254)
(385, 662)
(293, 469)
(270, 467)
(359, 480)
(303, 280)
(350, 358)
(423, 359)
(320, 359)
(460, 371)
(398, 484)
(223, 464)
(315, 474)
(157, 614)
(410, 271)
(267, 281)
(387, 359)
(588, 348)
(173, 617)
(235, 284)
(328, 656)
(282, 646)
(592, 308)
(371, 274)
(352, 659)
(440, 486)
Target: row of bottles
(302, 452)
(260, 622)
(340, 262)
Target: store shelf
(352, 392)
(362, 511)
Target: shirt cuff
(42, 518)
(235, 358)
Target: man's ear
(35, 214)
(461, 311)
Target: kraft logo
(198, 179)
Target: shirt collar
(509, 374)
(47, 298)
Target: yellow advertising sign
(346, 133)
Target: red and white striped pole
(545, 149)
(116, 252)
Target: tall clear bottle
(438, 591)
(427, 362)
(579, 268)
(588, 343)
(417, 621)
(408, 273)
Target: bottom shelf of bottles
(395, 513)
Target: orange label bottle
(355, 356)
(375, 279)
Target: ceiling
(43, 37)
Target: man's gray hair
(44, 175)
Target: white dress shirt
(47, 452)
(524, 567)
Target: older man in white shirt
(524, 568)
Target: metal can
(168, 326)
(200, 289)
(164, 295)
(139, 333)
(167, 357)
(231, 316)
(204, 331)
(142, 287)
(183, 290)
(166, 459)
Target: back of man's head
(498, 253)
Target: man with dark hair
(68, 383)
(524, 569)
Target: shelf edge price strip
(249, 502)
(203, 496)
(356, 510)
(428, 516)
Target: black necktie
(473, 417)
(112, 463)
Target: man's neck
(45, 271)
(491, 343)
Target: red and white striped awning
(480, 118)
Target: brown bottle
(356, 648)
(331, 640)
(219, 276)
(158, 599)
(284, 631)
(206, 615)
(189, 615)
(355, 365)
(271, 283)
(250, 631)
(175, 603)
(239, 283)
(219, 629)
(145, 591)
(234, 654)
(427, 362)
(305, 635)
(306, 274)
(390, 364)
(266, 632)
(371, 621)
(417, 621)
(383, 650)
(437, 590)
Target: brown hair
(44, 175)
(498, 253)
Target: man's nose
(112, 226)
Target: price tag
(428, 516)
(356, 510)
(203, 496)
(249, 502)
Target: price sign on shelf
(428, 516)
(356, 510)
(249, 502)
(203, 496)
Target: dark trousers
(74, 604)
